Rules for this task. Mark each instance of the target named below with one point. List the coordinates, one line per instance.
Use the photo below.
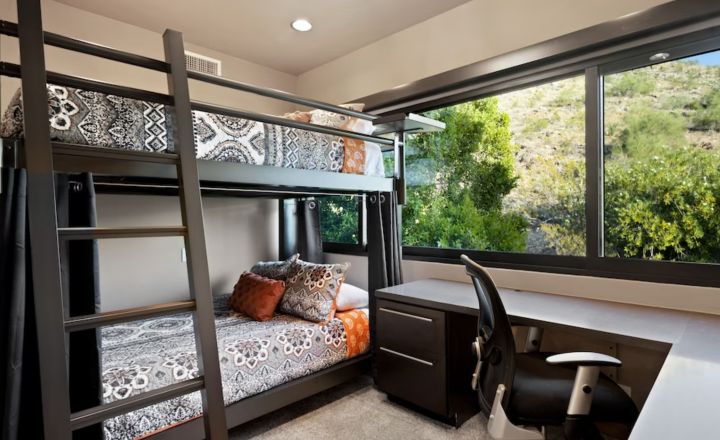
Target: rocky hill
(548, 124)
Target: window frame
(628, 54)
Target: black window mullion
(593, 167)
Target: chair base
(500, 428)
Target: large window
(662, 161)
(508, 174)
(604, 166)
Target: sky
(708, 59)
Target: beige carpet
(357, 410)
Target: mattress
(96, 119)
(254, 357)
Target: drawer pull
(421, 318)
(406, 356)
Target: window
(340, 219)
(662, 161)
(532, 174)
(507, 174)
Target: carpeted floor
(357, 410)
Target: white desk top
(684, 400)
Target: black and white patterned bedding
(90, 118)
(254, 357)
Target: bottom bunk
(274, 363)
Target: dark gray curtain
(301, 230)
(20, 392)
(384, 249)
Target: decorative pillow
(256, 296)
(298, 116)
(351, 297)
(275, 270)
(332, 119)
(311, 290)
(355, 156)
(361, 126)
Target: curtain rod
(297, 195)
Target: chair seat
(541, 393)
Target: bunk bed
(182, 169)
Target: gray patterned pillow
(310, 290)
(275, 270)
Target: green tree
(339, 219)
(458, 179)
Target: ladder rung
(100, 413)
(97, 233)
(119, 316)
(114, 153)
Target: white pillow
(361, 126)
(351, 297)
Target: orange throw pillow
(354, 156)
(256, 296)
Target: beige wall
(71, 22)
(469, 33)
(145, 271)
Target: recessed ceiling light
(660, 56)
(301, 25)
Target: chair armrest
(584, 359)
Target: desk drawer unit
(416, 330)
(419, 380)
(423, 358)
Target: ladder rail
(197, 261)
(86, 322)
(46, 277)
(91, 416)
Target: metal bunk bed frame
(42, 157)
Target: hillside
(547, 124)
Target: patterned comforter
(90, 118)
(254, 357)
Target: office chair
(521, 393)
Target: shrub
(647, 132)
(708, 115)
(534, 124)
(630, 84)
(664, 207)
(568, 96)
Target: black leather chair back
(498, 349)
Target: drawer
(416, 329)
(418, 380)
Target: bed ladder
(59, 422)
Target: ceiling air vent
(203, 64)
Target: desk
(684, 400)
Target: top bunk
(125, 135)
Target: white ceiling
(259, 30)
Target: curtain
(384, 250)
(20, 397)
(301, 230)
